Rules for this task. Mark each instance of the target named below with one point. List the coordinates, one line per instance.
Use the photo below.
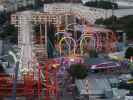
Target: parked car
(125, 77)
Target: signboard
(46, 7)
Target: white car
(125, 77)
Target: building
(14, 5)
(23, 3)
(1, 8)
(2, 1)
(3, 4)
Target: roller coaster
(41, 76)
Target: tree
(93, 53)
(129, 52)
(1, 69)
(3, 18)
(9, 32)
(51, 39)
(124, 23)
(124, 85)
(131, 67)
(99, 21)
(78, 71)
(102, 4)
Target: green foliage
(102, 4)
(108, 22)
(78, 71)
(9, 32)
(124, 23)
(1, 69)
(131, 67)
(93, 54)
(51, 30)
(124, 85)
(129, 52)
(3, 18)
(99, 21)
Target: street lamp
(113, 7)
(16, 74)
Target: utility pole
(15, 81)
(46, 36)
(16, 75)
(113, 12)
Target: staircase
(41, 54)
(6, 87)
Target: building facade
(14, 5)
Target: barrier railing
(24, 87)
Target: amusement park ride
(34, 65)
